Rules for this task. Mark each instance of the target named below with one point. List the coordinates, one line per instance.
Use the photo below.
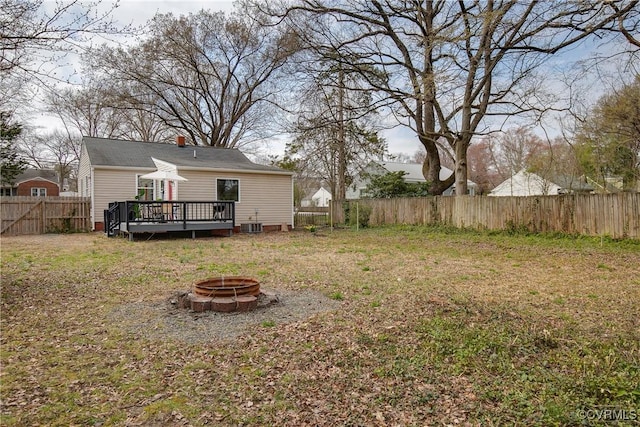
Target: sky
(138, 12)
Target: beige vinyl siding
(271, 194)
(84, 170)
(201, 186)
(84, 180)
(111, 186)
(84, 174)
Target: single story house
(320, 199)
(33, 182)
(111, 170)
(526, 183)
(413, 173)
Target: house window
(228, 190)
(6, 192)
(38, 192)
(144, 189)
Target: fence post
(43, 217)
(331, 214)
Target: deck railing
(112, 219)
(167, 212)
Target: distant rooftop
(28, 174)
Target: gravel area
(162, 320)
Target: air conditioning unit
(252, 227)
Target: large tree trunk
(431, 169)
(342, 152)
(461, 168)
(445, 64)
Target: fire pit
(224, 294)
(228, 286)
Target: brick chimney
(180, 140)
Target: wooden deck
(137, 217)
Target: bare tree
(628, 27)
(36, 36)
(212, 76)
(496, 157)
(451, 66)
(512, 150)
(58, 150)
(94, 110)
(85, 111)
(482, 169)
(141, 124)
(336, 131)
(26, 27)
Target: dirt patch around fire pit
(163, 320)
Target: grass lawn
(433, 327)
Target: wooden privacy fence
(615, 215)
(39, 215)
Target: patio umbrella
(163, 175)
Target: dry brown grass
(432, 328)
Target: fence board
(38, 215)
(616, 215)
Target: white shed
(321, 198)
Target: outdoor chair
(218, 211)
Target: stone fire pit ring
(224, 294)
(227, 286)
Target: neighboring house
(612, 184)
(110, 170)
(413, 174)
(320, 199)
(33, 182)
(530, 184)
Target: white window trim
(39, 191)
(156, 190)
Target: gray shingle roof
(413, 171)
(572, 183)
(115, 152)
(28, 174)
(48, 174)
